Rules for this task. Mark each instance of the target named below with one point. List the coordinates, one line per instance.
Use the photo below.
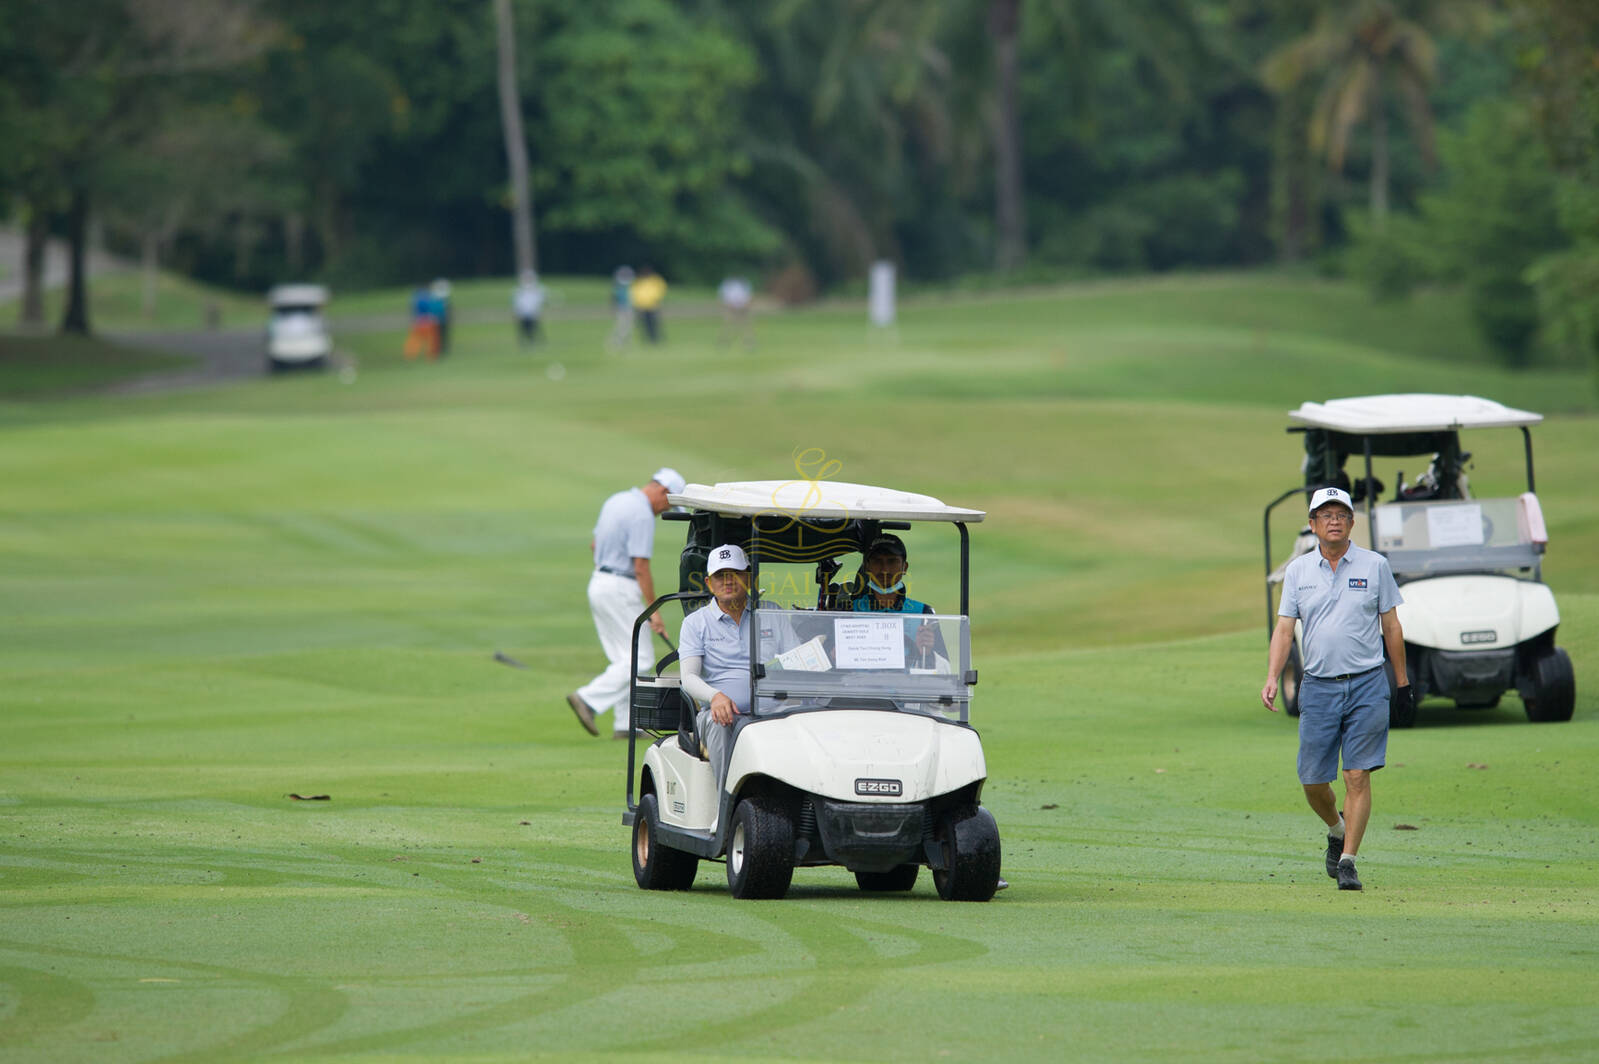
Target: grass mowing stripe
(218, 598)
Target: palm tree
(1010, 208)
(1161, 33)
(1358, 50)
(515, 141)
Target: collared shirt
(1342, 610)
(625, 530)
(723, 646)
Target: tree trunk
(76, 318)
(515, 142)
(294, 242)
(37, 241)
(1010, 222)
(1379, 155)
(1294, 171)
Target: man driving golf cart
(854, 754)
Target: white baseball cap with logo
(727, 556)
(1324, 496)
(670, 479)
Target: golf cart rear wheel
(657, 866)
(1288, 682)
(901, 878)
(970, 842)
(1554, 687)
(760, 849)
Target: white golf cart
(858, 752)
(297, 337)
(1477, 617)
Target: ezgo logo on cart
(890, 788)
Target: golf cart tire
(1554, 688)
(657, 866)
(760, 849)
(1288, 682)
(895, 879)
(970, 842)
(1397, 717)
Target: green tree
(636, 127)
(1493, 216)
(1356, 53)
(1560, 72)
(99, 76)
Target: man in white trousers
(619, 589)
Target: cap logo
(725, 554)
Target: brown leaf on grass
(1406, 827)
(1049, 805)
(312, 797)
(1473, 764)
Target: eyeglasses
(1335, 515)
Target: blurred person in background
(736, 294)
(423, 337)
(440, 290)
(527, 303)
(648, 292)
(621, 308)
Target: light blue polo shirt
(1341, 611)
(723, 647)
(625, 530)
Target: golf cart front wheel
(969, 839)
(1554, 687)
(901, 878)
(657, 866)
(760, 849)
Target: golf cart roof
(818, 500)
(298, 295)
(1375, 415)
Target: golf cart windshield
(915, 663)
(1477, 535)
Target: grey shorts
(1348, 716)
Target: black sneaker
(1347, 879)
(1335, 850)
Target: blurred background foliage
(1403, 142)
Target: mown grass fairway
(216, 599)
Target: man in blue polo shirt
(1345, 596)
(713, 649)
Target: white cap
(727, 556)
(1324, 496)
(670, 479)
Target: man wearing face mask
(882, 590)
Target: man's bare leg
(1321, 799)
(1357, 807)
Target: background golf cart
(1477, 617)
(869, 765)
(297, 336)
